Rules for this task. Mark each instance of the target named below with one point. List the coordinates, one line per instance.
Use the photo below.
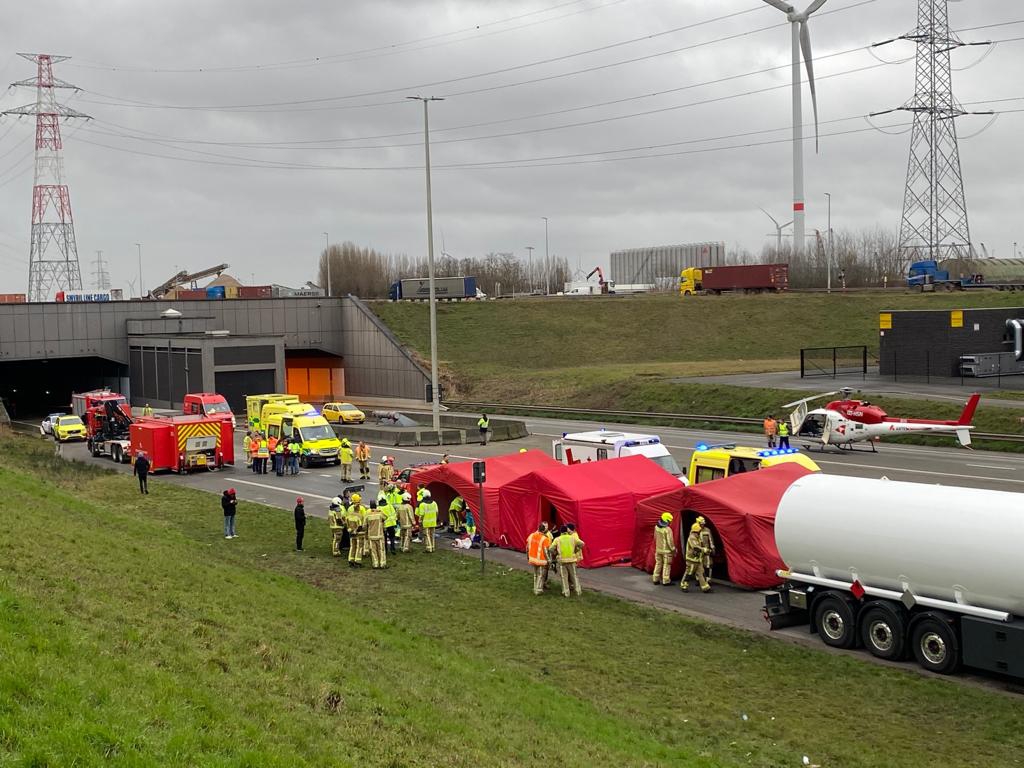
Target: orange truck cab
(208, 404)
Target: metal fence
(832, 361)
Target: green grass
(132, 633)
(623, 353)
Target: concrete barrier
(455, 430)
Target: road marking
(326, 475)
(283, 490)
(993, 466)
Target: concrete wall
(927, 343)
(375, 363)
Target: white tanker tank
(920, 557)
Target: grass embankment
(626, 352)
(133, 634)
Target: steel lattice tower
(53, 254)
(934, 221)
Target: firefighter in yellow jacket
(694, 561)
(664, 549)
(568, 547)
(345, 455)
(373, 522)
(707, 541)
(336, 521)
(406, 521)
(427, 513)
(354, 525)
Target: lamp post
(828, 256)
(547, 260)
(435, 395)
(327, 258)
(142, 287)
(529, 269)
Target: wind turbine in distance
(801, 41)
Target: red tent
(741, 511)
(600, 497)
(445, 480)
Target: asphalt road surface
(736, 607)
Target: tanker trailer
(904, 569)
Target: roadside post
(479, 477)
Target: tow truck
(713, 462)
(108, 428)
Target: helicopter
(842, 423)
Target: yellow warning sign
(884, 321)
(956, 318)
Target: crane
(185, 278)
(601, 282)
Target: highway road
(740, 608)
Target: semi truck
(740, 278)
(904, 569)
(966, 274)
(418, 289)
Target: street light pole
(547, 260)
(828, 256)
(529, 250)
(435, 395)
(327, 258)
(142, 287)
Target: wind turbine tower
(53, 255)
(934, 224)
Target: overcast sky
(170, 73)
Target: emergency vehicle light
(701, 447)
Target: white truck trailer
(904, 569)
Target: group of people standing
(698, 553)
(776, 429)
(547, 552)
(282, 454)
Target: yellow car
(343, 413)
(67, 428)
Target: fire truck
(184, 443)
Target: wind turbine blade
(805, 47)
(813, 7)
(784, 7)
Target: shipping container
(647, 265)
(746, 277)
(255, 291)
(191, 294)
(13, 298)
(444, 288)
(216, 292)
(231, 291)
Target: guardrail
(737, 420)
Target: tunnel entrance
(31, 388)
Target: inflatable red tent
(444, 481)
(741, 510)
(600, 497)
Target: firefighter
(336, 522)
(406, 521)
(707, 541)
(373, 522)
(694, 561)
(354, 526)
(455, 514)
(262, 455)
(363, 457)
(390, 515)
(537, 552)
(279, 452)
(664, 549)
(246, 447)
(384, 471)
(148, 410)
(345, 455)
(783, 434)
(427, 513)
(569, 549)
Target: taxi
(342, 413)
(67, 428)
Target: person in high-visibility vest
(279, 458)
(455, 514)
(707, 542)
(770, 428)
(783, 433)
(694, 561)
(387, 510)
(569, 549)
(406, 521)
(336, 522)
(363, 457)
(664, 549)
(148, 410)
(373, 522)
(537, 553)
(263, 455)
(484, 424)
(427, 513)
(247, 448)
(354, 525)
(345, 454)
(384, 471)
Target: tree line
(368, 273)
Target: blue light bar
(701, 447)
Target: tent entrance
(720, 563)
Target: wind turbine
(801, 41)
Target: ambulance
(581, 447)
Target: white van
(606, 444)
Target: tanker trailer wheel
(883, 631)
(935, 645)
(835, 622)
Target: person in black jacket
(300, 523)
(141, 470)
(229, 503)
